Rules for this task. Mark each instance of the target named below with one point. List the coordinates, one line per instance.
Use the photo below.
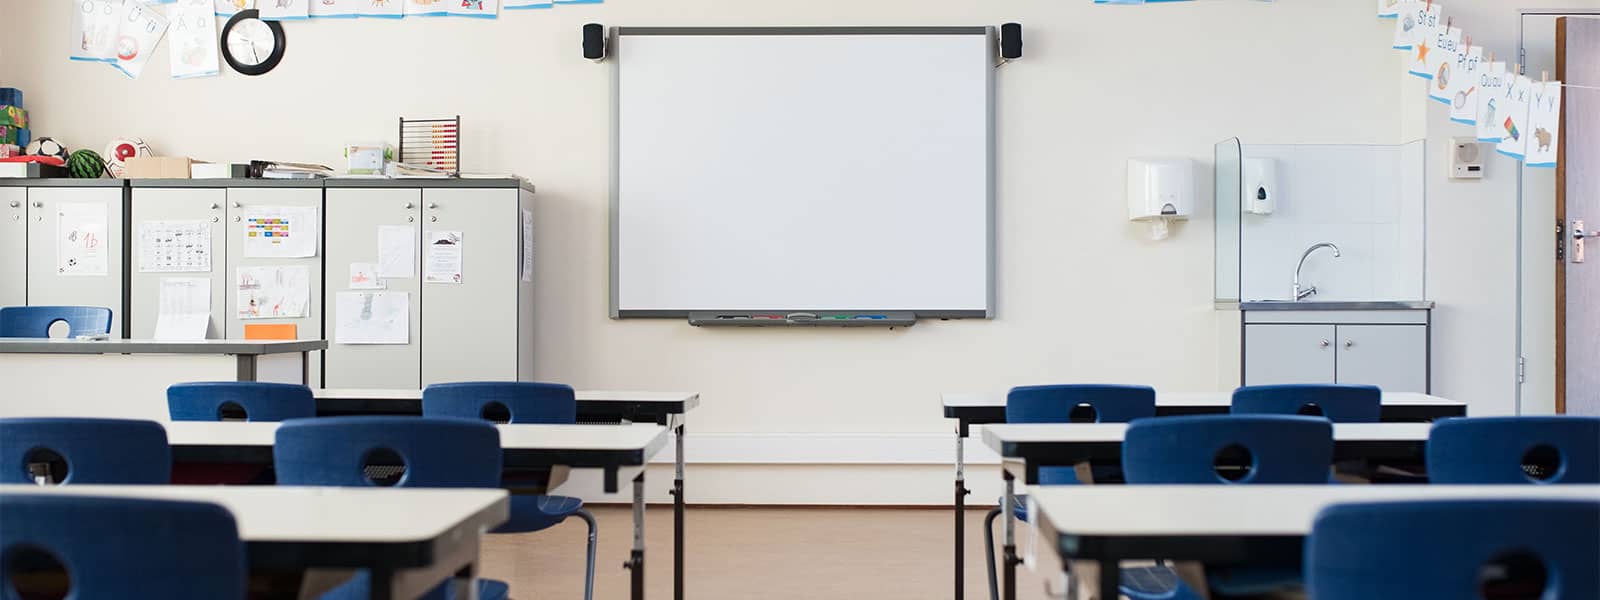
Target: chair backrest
(1542, 449)
(1443, 550)
(1340, 403)
(1093, 403)
(249, 400)
(120, 547)
(82, 451)
(35, 321)
(1228, 449)
(502, 401)
(336, 451)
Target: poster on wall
(426, 8)
(1491, 86)
(228, 8)
(1388, 9)
(192, 39)
(142, 29)
(442, 262)
(1415, 18)
(174, 247)
(93, 36)
(1441, 63)
(483, 9)
(280, 232)
(275, 292)
(383, 9)
(283, 10)
(525, 4)
(81, 239)
(1513, 120)
(1544, 124)
(1463, 90)
(335, 9)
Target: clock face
(251, 42)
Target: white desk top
(998, 434)
(1241, 510)
(638, 436)
(142, 346)
(1193, 399)
(583, 395)
(321, 514)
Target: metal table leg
(1110, 579)
(677, 519)
(636, 559)
(1009, 536)
(961, 512)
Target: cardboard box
(158, 167)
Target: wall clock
(251, 45)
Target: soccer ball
(46, 147)
(119, 150)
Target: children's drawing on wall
(142, 29)
(192, 39)
(345, 9)
(487, 9)
(227, 8)
(426, 8)
(81, 239)
(284, 10)
(272, 292)
(385, 9)
(94, 29)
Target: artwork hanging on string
(1544, 124)
(1513, 120)
(1413, 18)
(1463, 88)
(1491, 87)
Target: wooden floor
(768, 553)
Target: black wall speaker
(594, 41)
(1011, 41)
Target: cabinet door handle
(15, 204)
(38, 204)
(1326, 343)
(432, 205)
(236, 205)
(409, 206)
(214, 206)
(1348, 344)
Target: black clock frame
(277, 48)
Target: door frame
(1560, 383)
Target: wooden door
(1578, 199)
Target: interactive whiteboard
(795, 169)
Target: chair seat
(1155, 583)
(1253, 581)
(359, 587)
(534, 513)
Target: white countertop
(583, 395)
(1001, 433)
(637, 436)
(320, 514)
(1222, 510)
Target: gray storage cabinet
(222, 203)
(28, 248)
(1388, 349)
(479, 329)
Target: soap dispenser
(1260, 190)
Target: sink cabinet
(1386, 348)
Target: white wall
(1365, 199)
(1083, 296)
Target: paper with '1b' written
(81, 239)
(372, 318)
(280, 232)
(272, 292)
(174, 247)
(185, 308)
(443, 263)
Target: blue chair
(1067, 403)
(1340, 403)
(1535, 449)
(35, 321)
(1437, 550)
(519, 402)
(83, 451)
(119, 548)
(1227, 449)
(236, 400)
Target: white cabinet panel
(175, 204)
(240, 202)
(13, 246)
(1288, 354)
(47, 284)
(470, 329)
(354, 217)
(1392, 357)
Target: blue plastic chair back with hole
(1426, 550)
(1055, 404)
(123, 547)
(107, 451)
(441, 452)
(1493, 450)
(1182, 450)
(35, 321)
(526, 402)
(1340, 403)
(203, 401)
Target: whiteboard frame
(614, 56)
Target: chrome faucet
(1300, 294)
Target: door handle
(1348, 344)
(1578, 237)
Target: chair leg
(988, 551)
(588, 577)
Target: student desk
(970, 409)
(613, 448)
(669, 409)
(1034, 445)
(1219, 524)
(410, 539)
(128, 379)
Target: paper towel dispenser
(1160, 190)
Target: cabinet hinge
(1522, 369)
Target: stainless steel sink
(1336, 305)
